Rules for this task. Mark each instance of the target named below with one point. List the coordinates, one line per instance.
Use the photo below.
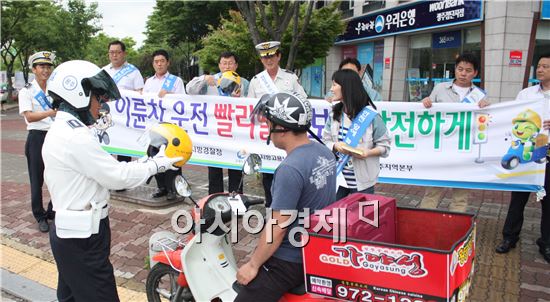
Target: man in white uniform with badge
(163, 83)
(271, 81)
(79, 174)
(37, 110)
(125, 75)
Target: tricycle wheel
(510, 164)
(162, 285)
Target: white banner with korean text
(500, 147)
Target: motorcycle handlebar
(250, 202)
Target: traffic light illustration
(481, 128)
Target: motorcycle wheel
(106, 138)
(162, 285)
(510, 164)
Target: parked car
(4, 92)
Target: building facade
(411, 45)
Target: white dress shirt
(27, 102)
(131, 81)
(154, 84)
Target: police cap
(268, 48)
(42, 57)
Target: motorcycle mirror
(252, 164)
(182, 186)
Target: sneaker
(43, 226)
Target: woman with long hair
(361, 171)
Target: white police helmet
(74, 82)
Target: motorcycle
(202, 267)
(514, 156)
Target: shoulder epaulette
(28, 85)
(288, 71)
(74, 123)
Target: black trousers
(267, 180)
(514, 218)
(124, 158)
(85, 272)
(165, 181)
(215, 180)
(35, 164)
(274, 278)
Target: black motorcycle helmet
(289, 110)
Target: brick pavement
(521, 275)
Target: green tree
(233, 34)
(287, 21)
(14, 14)
(179, 27)
(77, 24)
(29, 26)
(97, 49)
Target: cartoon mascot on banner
(528, 144)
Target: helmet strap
(315, 137)
(272, 129)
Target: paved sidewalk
(521, 275)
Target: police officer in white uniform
(79, 174)
(125, 75)
(37, 110)
(271, 81)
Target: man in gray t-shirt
(305, 179)
(302, 182)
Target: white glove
(163, 162)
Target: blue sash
(129, 68)
(169, 82)
(43, 100)
(356, 130)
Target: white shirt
(154, 84)
(131, 81)
(533, 93)
(78, 171)
(285, 80)
(462, 91)
(27, 102)
(199, 85)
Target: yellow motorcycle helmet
(229, 83)
(177, 141)
(528, 116)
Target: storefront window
(369, 6)
(432, 58)
(312, 78)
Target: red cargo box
(429, 255)
(357, 216)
